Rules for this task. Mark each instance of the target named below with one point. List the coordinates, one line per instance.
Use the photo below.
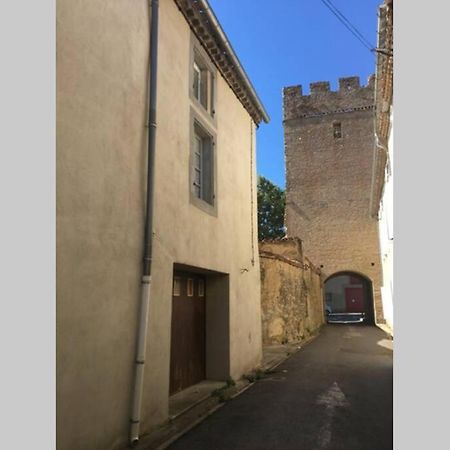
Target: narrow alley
(336, 393)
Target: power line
(348, 25)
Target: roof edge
(208, 30)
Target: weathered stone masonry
(328, 177)
(291, 293)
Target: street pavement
(335, 393)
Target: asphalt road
(335, 393)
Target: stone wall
(328, 178)
(291, 293)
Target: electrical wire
(348, 25)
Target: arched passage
(349, 292)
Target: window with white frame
(203, 169)
(203, 84)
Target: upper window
(337, 130)
(203, 84)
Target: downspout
(251, 192)
(147, 262)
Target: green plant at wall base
(250, 377)
(271, 205)
(220, 394)
(231, 382)
(254, 376)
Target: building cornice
(383, 102)
(328, 113)
(205, 26)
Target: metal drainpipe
(147, 263)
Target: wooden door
(187, 353)
(354, 299)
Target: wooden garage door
(187, 353)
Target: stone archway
(350, 292)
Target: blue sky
(289, 42)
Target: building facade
(205, 289)
(329, 139)
(382, 195)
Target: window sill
(204, 206)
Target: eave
(205, 26)
(383, 103)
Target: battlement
(321, 100)
(319, 86)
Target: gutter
(147, 261)
(204, 5)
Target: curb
(299, 346)
(175, 428)
(386, 329)
(174, 438)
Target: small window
(337, 131)
(201, 288)
(203, 84)
(190, 287)
(203, 181)
(176, 286)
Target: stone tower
(329, 142)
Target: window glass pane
(196, 82)
(211, 100)
(201, 288)
(190, 287)
(337, 130)
(204, 88)
(203, 165)
(207, 172)
(176, 286)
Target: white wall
(386, 227)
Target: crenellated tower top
(322, 101)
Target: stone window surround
(197, 119)
(198, 53)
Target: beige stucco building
(204, 225)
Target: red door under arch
(354, 299)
